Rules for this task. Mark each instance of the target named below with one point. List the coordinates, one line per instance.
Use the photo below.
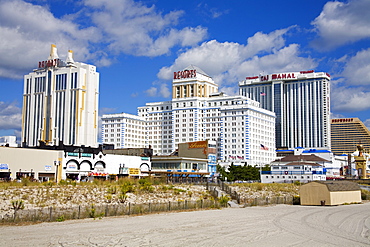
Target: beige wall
(26, 159)
(313, 193)
(341, 197)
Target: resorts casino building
(301, 102)
(242, 130)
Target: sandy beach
(280, 225)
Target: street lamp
(56, 164)
(121, 166)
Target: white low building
(82, 166)
(76, 163)
(333, 164)
(295, 171)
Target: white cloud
(211, 12)
(152, 92)
(341, 23)
(26, 34)
(133, 28)
(349, 99)
(160, 90)
(357, 69)
(367, 123)
(124, 26)
(229, 62)
(165, 92)
(336, 115)
(10, 116)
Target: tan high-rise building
(346, 134)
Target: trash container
(322, 203)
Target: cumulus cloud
(336, 115)
(124, 26)
(350, 99)
(211, 12)
(357, 69)
(229, 62)
(10, 116)
(367, 123)
(27, 31)
(151, 92)
(340, 23)
(133, 28)
(160, 90)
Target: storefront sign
(76, 154)
(4, 167)
(134, 171)
(199, 144)
(47, 168)
(71, 167)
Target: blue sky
(136, 46)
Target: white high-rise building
(243, 131)
(124, 130)
(60, 103)
(301, 102)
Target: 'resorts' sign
(49, 63)
(185, 74)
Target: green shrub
(147, 186)
(298, 183)
(17, 204)
(92, 212)
(60, 218)
(112, 189)
(224, 199)
(365, 194)
(127, 187)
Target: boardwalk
(281, 225)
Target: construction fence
(50, 214)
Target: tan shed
(330, 193)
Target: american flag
(262, 94)
(264, 147)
